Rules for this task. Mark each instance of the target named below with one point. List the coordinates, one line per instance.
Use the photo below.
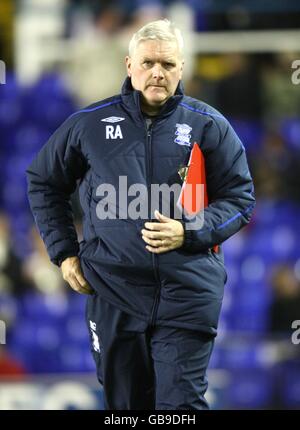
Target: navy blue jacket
(96, 145)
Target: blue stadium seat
(77, 304)
(240, 353)
(28, 139)
(290, 131)
(50, 101)
(248, 319)
(250, 390)
(291, 386)
(73, 358)
(75, 330)
(41, 307)
(250, 132)
(270, 213)
(36, 345)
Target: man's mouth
(156, 86)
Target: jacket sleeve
(52, 178)
(229, 186)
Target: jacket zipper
(154, 257)
(157, 295)
(148, 152)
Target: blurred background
(241, 57)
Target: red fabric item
(196, 175)
(9, 366)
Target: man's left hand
(163, 236)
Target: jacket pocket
(216, 259)
(85, 245)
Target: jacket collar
(131, 99)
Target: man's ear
(128, 65)
(181, 69)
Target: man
(155, 284)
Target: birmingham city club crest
(182, 134)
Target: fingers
(155, 234)
(160, 241)
(163, 242)
(79, 287)
(158, 250)
(76, 286)
(157, 226)
(81, 280)
(162, 225)
(84, 287)
(164, 236)
(160, 217)
(156, 238)
(73, 275)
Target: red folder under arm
(195, 176)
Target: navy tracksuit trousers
(142, 367)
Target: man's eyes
(167, 65)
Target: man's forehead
(148, 48)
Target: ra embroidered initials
(113, 132)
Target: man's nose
(157, 72)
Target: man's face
(155, 69)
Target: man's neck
(150, 110)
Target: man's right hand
(71, 272)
